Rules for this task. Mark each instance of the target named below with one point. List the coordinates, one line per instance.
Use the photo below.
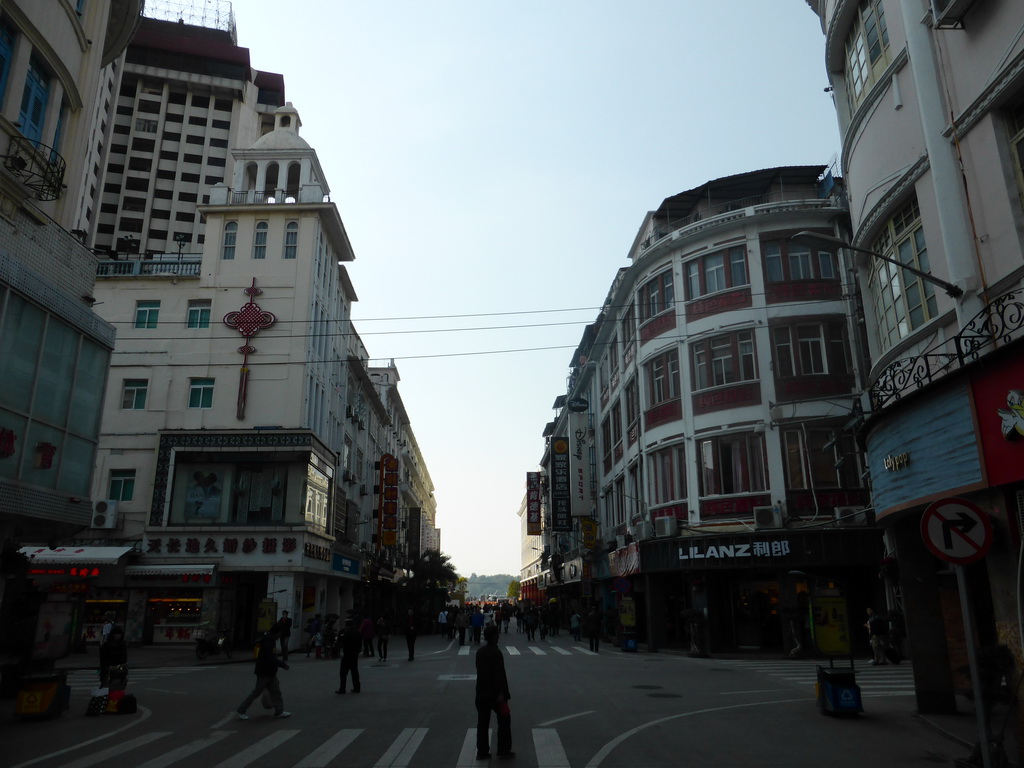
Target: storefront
(169, 601)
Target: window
(198, 313)
(145, 125)
(1016, 131)
(200, 393)
(785, 261)
(667, 474)
(632, 401)
(259, 244)
(291, 239)
(133, 394)
(628, 324)
(867, 50)
(811, 348)
(663, 378)
(819, 458)
(722, 360)
(732, 464)
(33, 101)
(606, 442)
(656, 295)
(617, 428)
(146, 314)
(902, 301)
(230, 236)
(122, 485)
(715, 272)
(7, 35)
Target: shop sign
(196, 545)
(830, 625)
(80, 571)
(561, 517)
(896, 462)
(533, 504)
(582, 502)
(588, 527)
(75, 587)
(770, 548)
(999, 403)
(318, 552)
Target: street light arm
(813, 238)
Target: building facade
(930, 103)
(703, 425)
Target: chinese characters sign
(533, 504)
(561, 519)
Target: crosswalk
(164, 749)
(888, 680)
(85, 680)
(536, 650)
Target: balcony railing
(1001, 322)
(38, 166)
(159, 265)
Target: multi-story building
(54, 348)
(187, 95)
(702, 426)
(223, 442)
(930, 102)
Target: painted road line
(186, 750)
(512, 650)
(260, 748)
(464, 650)
(467, 755)
(538, 651)
(116, 751)
(563, 651)
(330, 749)
(404, 747)
(550, 753)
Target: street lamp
(816, 238)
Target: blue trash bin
(837, 691)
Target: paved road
(571, 709)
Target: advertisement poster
(830, 626)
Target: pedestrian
(108, 625)
(442, 623)
(350, 640)
(594, 629)
(284, 625)
(383, 636)
(265, 670)
(574, 625)
(878, 633)
(410, 633)
(314, 628)
(461, 625)
(492, 696)
(476, 621)
(366, 631)
(530, 620)
(113, 653)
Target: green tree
(513, 589)
(433, 569)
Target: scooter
(206, 646)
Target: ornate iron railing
(999, 323)
(38, 166)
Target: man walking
(594, 629)
(266, 676)
(492, 695)
(284, 625)
(410, 633)
(350, 641)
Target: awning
(170, 569)
(80, 555)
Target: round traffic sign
(957, 531)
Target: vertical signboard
(582, 502)
(412, 535)
(533, 504)
(388, 511)
(561, 517)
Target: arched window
(230, 235)
(259, 243)
(291, 239)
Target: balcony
(37, 166)
(152, 265)
(1000, 323)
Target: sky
(493, 162)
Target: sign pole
(984, 741)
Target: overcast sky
(493, 161)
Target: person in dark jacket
(350, 641)
(266, 676)
(113, 652)
(492, 695)
(410, 633)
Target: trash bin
(43, 695)
(628, 641)
(837, 691)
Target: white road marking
(467, 755)
(116, 751)
(330, 749)
(538, 651)
(464, 650)
(567, 717)
(562, 651)
(144, 715)
(512, 650)
(186, 750)
(550, 753)
(404, 747)
(260, 748)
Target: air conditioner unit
(847, 516)
(104, 514)
(767, 517)
(665, 526)
(949, 14)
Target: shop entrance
(755, 612)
